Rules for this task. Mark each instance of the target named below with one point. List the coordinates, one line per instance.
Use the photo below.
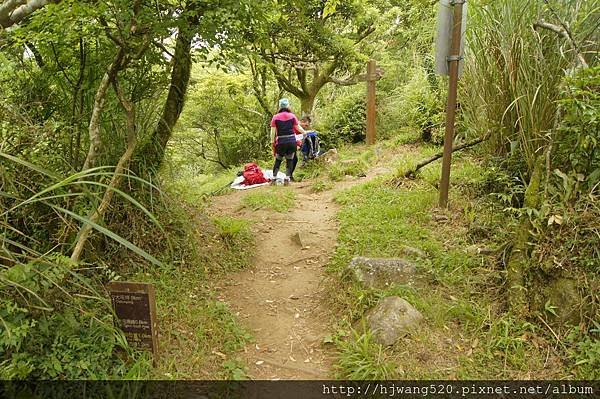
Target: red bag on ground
(253, 175)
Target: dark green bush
(347, 123)
(578, 139)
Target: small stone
(440, 218)
(349, 161)
(302, 239)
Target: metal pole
(371, 112)
(453, 60)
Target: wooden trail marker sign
(373, 75)
(135, 308)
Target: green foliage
(235, 369)
(345, 123)
(360, 358)
(415, 105)
(507, 340)
(319, 185)
(585, 352)
(306, 51)
(457, 291)
(578, 137)
(350, 167)
(222, 126)
(275, 199)
(310, 170)
(513, 74)
(232, 230)
(47, 332)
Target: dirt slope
(280, 299)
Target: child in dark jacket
(310, 145)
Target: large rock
(329, 156)
(381, 273)
(391, 319)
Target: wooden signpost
(135, 308)
(373, 75)
(452, 59)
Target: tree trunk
(517, 268)
(99, 102)
(117, 176)
(307, 104)
(151, 154)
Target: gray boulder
(380, 272)
(391, 319)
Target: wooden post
(453, 61)
(371, 111)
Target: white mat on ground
(268, 174)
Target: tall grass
(514, 70)
(54, 315)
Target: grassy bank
(467, 333)
(199, 336)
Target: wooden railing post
(371, 110)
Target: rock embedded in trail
(381, 272)
(303, 239)
(392, 319)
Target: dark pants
(295, 161)
(287, 151)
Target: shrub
(415, 105)
(49, 332)
(347, 123)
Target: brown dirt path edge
(281, 299)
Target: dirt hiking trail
(281, 298)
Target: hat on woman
(284, 103)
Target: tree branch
(206, 158)
(352, 80)
(565, 33)
(99, 101)
(259, 87)
(163, 48)
(429, 160)
(283, 81)
(14, 11)
(301, 74)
